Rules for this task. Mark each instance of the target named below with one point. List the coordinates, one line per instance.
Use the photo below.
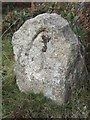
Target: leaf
(72, 15)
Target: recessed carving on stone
(46, 57)
(45, 40)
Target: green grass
(16, 104)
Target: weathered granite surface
(46, 57)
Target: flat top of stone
(53, 19)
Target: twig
(81, 53)
(82, 5)
(5, 56)
(9, 28)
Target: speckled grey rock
(46, 57)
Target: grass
(20, 105)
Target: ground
(20, 105)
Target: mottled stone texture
(46, 57)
